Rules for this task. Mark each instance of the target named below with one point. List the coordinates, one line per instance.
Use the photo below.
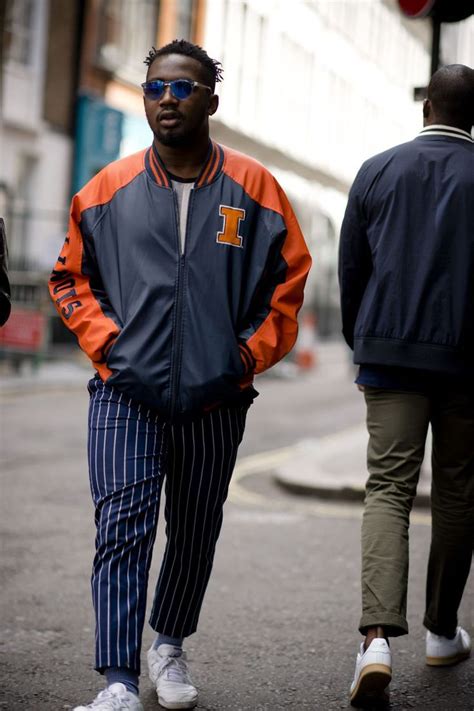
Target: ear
(426, 108)
(213, 104)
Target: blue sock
(164, 639)
(124, 675)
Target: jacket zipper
(177, 345)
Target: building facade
(36, 126)
(311, 88)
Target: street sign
(24, 332)
(416, 8)
(440, 10)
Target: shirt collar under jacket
(438, 129)
(211, 168)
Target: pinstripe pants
(130, 450)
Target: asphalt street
(278, 628)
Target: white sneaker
(373, 672)
(442, 652)
(168, 670)
(115, 698)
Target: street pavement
(330, 466)
(279, 624)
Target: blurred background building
(311, 89)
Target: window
(19, 20)
(22, 223)
(184, 19)
(127, 30)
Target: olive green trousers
(397, 423)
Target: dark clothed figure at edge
(5, 291)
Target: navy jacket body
(182, 331)
(406, 262)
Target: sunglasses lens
(154, 89)
(181, 88)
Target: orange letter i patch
(230, 230)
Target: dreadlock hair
(212, 68)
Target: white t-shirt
(182, 190)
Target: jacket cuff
(247, 358)
(106, 350)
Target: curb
(334, 468)
(37, 386)
(344, 492)
(14, 390)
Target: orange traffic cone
(305, 349)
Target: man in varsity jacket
(181, 275)
(407, 276)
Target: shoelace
(107, 701)
(177, 669)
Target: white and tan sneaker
(443, 652)
(373, 672)
(168, 670)
(115, 697)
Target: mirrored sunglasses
(180, 88)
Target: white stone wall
(329, 81)
(35, 169)
(457, 42)
(51, 198)
(23, 84)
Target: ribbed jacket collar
(210, 170)
(438, 129)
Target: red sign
(416, 8)
(24, 331)
(440, 10)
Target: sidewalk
(334, 468)
(50, 375)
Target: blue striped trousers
(131, 452)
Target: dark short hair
(451, 92)
(212, 68)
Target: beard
(177, 140)
(182, 136)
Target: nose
(167, 97)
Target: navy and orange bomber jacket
(182, 332)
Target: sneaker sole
(177, 704)
(447, 661)
(373, 681)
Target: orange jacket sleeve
(281, 295)
(83, 310)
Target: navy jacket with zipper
(182, 332)
(406, 265)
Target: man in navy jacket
(406, 275)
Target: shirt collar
(438, 129)
(210, 170)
